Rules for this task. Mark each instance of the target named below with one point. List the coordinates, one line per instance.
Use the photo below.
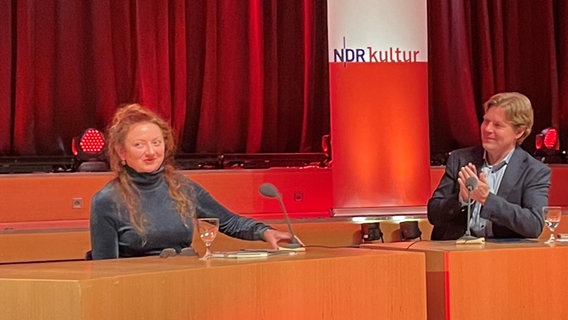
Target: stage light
(89, 151)
(547, 145)
(547, 140)
(371, 232)
(409, 231)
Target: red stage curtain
(252, 76)
(481, 47)
(232, 76)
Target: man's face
(497, 134)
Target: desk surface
(497, 280)
(97, 269)
(450, 245)
(317, 284)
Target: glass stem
(208, 249)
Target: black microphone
(470, 184)
(269, 190)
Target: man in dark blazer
(511, 186)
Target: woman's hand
(273, 236)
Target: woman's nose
(150, 149)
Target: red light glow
(92, 141)
(551, 138)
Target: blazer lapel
(477, 156)
(512, 173)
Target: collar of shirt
(498, 166)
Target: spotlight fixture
(547, 145)
(371, 232)
(409, 231)
(88, 151)
(547, 140)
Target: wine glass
(552, 217)
(208, 229)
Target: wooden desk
(317, 284)
(505, 280)
(44, 245)
(71, 240)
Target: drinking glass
(552, 217)
(208, 229)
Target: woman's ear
(121, 153)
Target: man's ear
(520, 131)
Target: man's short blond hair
(518, 110)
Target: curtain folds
(231, 76)
(481, 47)
(252, 76)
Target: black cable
(413, 243)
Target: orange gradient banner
(379, 103)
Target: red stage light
(538, 142)
(88, 150)
(91, 142)
(547, 140)
(551, 139)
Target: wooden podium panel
(44, 245)
(525, 279)
(318, 284)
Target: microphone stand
(294, 244)
(269, 190)
(467, 236)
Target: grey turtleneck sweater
(112, 235)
